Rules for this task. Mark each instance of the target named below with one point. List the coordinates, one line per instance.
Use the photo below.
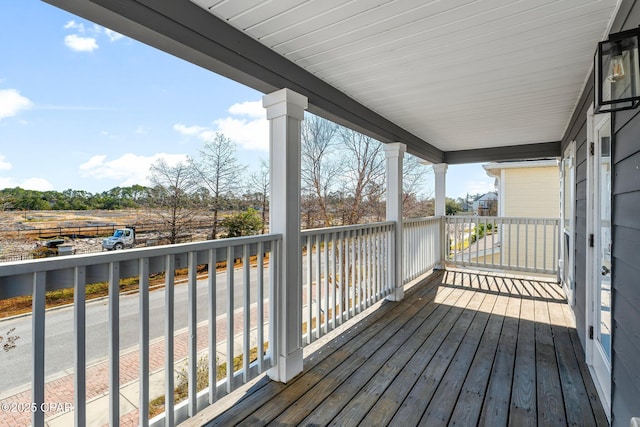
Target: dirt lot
(17, 240)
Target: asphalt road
(59, 341)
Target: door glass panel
(604, 247)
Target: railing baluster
(246, 278)
(114, 344)
(274, 276)
(326, 282)
(38, 340)
(193, 333)
(230, 317)
(340, 302)
(309, 293)
(370, 277)
(378, 262)
(360, 268)
(143, 289)
(347, 275)
(213, 327)
(318, 285)
(79, 326)
(334, 282)
(556, 234)
(535, 244)
(355, 264)
(260, 305)
(169, 277)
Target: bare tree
(414, 183)
(259, 186)
(318, 164)
(364, 172)
(219, 171)
(173, 186)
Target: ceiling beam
(185, 30)
(513, 152)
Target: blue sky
(85, 108)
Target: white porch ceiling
(459, 74)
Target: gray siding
(626, 238)
(626, 267)
(625, 382)
(577, 131)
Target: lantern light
(617, 72)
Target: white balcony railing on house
(517, 244)
(422, 246)
(345, 270)
(248, 295)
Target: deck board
(549, 391)
(469, 403)
(463, 348)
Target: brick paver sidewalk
(60, 391)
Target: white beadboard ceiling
(460, 74)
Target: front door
(599, 257)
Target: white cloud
(113, 36)
(80, 44)
(128, 169)
(86, 38)
(250, 132)
(189, 130)
(4, 164)
(74, 25)
(142, 130)
(11, 103)
(249, 108)
(38, 184)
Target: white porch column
(440, 171)
(394, 153)
(285, 111)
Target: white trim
(518, 165)
(569, 156)
(597, 362)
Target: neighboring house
(486, 205)
(527, 189)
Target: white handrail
(38, 276)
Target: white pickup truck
(122, 238)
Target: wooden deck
(462, 348)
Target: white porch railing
(244, 297)
(345, 270)
(503, 243)
(421, 241)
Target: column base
(396, 295)
(288, 367)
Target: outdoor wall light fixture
(617, 72)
